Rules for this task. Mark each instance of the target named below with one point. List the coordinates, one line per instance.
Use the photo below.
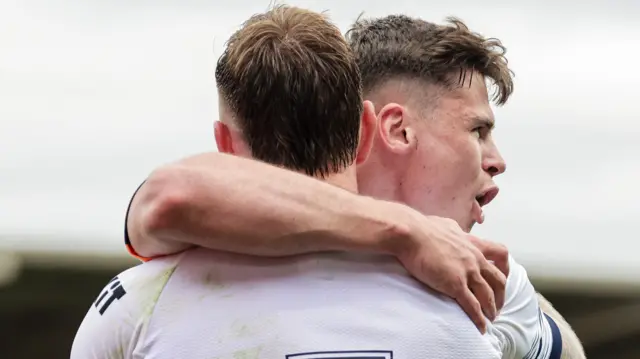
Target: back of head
(293, 86)
(399, 46)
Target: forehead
(467, 104)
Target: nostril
(493, 170)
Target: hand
(444, 257)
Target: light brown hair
(398, 45)
(292, 81)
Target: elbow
(159, 208)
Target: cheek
(441, 179)
(446, 171)
(424, 184)
(467, 160)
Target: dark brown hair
(399, 45)
(293, 83)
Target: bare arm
(232, 204)
(571, 346)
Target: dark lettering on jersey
(349, 354)
(114, 290)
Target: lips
(486, 196)
(483, 199)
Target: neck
(376, 178)
(345, 179)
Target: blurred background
(95, 94)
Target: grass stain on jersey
(252, 353)
(213, 280)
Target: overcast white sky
(95, 94)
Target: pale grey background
(95, 94)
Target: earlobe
(394, 128)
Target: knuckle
(470, 263)
(502, 281)
(477, 306)
(479, 258)
(458, 284)
(501, 249)
(476, 277)
(496, 276)
(475, 240)
(492, 303)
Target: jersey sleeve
(127, 241)
(115, 324)
(525, 331)
(110, 326)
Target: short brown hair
(399, 45)
(293, 83)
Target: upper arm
(526, 331)
(571, 346)
(110, 325)
(115, 324)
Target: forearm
(232, 204)
(571, 346)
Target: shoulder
(525, 331)
(118, 316)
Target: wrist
(379, 227)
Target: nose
(493, 163)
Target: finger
(497, 281)
(495, 252)
(484, 294)
(472, 307)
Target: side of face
(439, 160)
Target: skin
(425, 129)
(421, 130)
(413, 140)
(449, 136)
(453, 139)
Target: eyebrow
(484, 121)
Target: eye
(480, 132)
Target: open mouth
(487, 196)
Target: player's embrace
(319, 276)
(290, 94)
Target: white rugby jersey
(523, 330)
(206, 304)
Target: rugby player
(432, 150)
(289, 90)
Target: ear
(395, 130)
(224, 140)
(368, 125)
